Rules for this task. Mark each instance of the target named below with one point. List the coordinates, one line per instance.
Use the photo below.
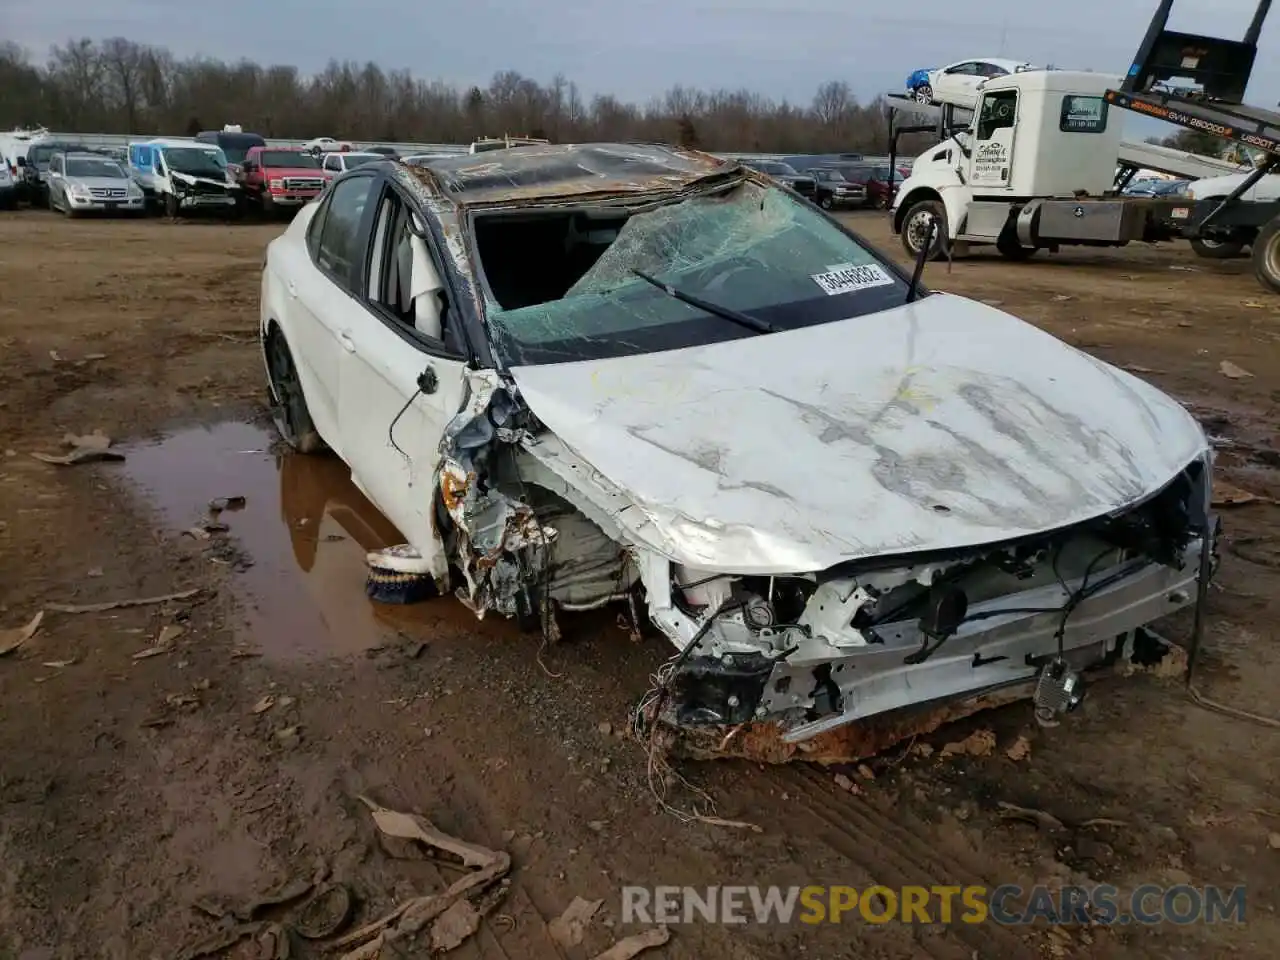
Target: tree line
(119, 86)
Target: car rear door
(321, 282)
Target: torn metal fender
(498, 543)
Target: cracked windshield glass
(749, 250)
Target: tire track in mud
(882, 847)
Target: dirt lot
(132, 786)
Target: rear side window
(338, 249)
(1083, 114)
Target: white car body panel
(1266, 189)
(961, 90)
(846, 438)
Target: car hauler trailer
(1198, 82)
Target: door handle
(292, 288)
(348, 344)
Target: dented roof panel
(936, 425)
(565, 170)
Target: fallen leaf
(164, 642)
(1060, 297)
(120, 604)
(569, 928)
(89, 441)
(78, 455)
(14, 637)
(1229, 369)
(265, 704)
(1020, 750)
(409, 826)
(58, 664)
(1253, 305)
(94, 572)
(285, 702)
(865, 772)
(1273, 841)
(1229, 495)
(631, 946)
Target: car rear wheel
(288, 402)
(826, 201)
(924, 94)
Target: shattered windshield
(574, 294)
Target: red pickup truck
(275, 177)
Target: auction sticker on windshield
(848, 277)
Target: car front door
(322, 282)
(57, 185)
(958, 84)
(403, 377)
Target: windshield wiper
(724, 313)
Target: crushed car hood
(939, 424)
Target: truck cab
(1036, 135)
(278, 177)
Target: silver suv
(85, 182)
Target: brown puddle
(304, 527)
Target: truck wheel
(915, 227)
(1217, 249)
(826, 201)
(1266, 256)
(1011, 249)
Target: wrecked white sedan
(574, 375)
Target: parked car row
(844, 184)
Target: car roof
(994, 61)
(559, 170)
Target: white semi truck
(1036, 167)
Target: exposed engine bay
(534, 531)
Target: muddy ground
(129, 787)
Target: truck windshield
(236, 145)
(295, 159)
(197, 161)
(93, 167)
(748, 248)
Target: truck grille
(303, 183)
(108, 193)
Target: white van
(183, 174)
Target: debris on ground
(84, 449)
(122, 604)
(164, 642)
(240, 922)
(1046, 821)
(1229, 369)
(265, 704)
(845, 783)
(14, 637)
(980, 743)
(632, 946)
(218, 504)
(450, 917)
(1020, 750)
(1229, 495)
(326, 913)
(570, 927)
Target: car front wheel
(924, 94)
(915, 228)
(288, 402)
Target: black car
(785, 174)
(389, 152)
(235, 144)
(33, 169)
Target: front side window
(1082, 114)
(563, 285)
(338, 249)
(998, 111)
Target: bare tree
(119, 86)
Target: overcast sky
(638, 48)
